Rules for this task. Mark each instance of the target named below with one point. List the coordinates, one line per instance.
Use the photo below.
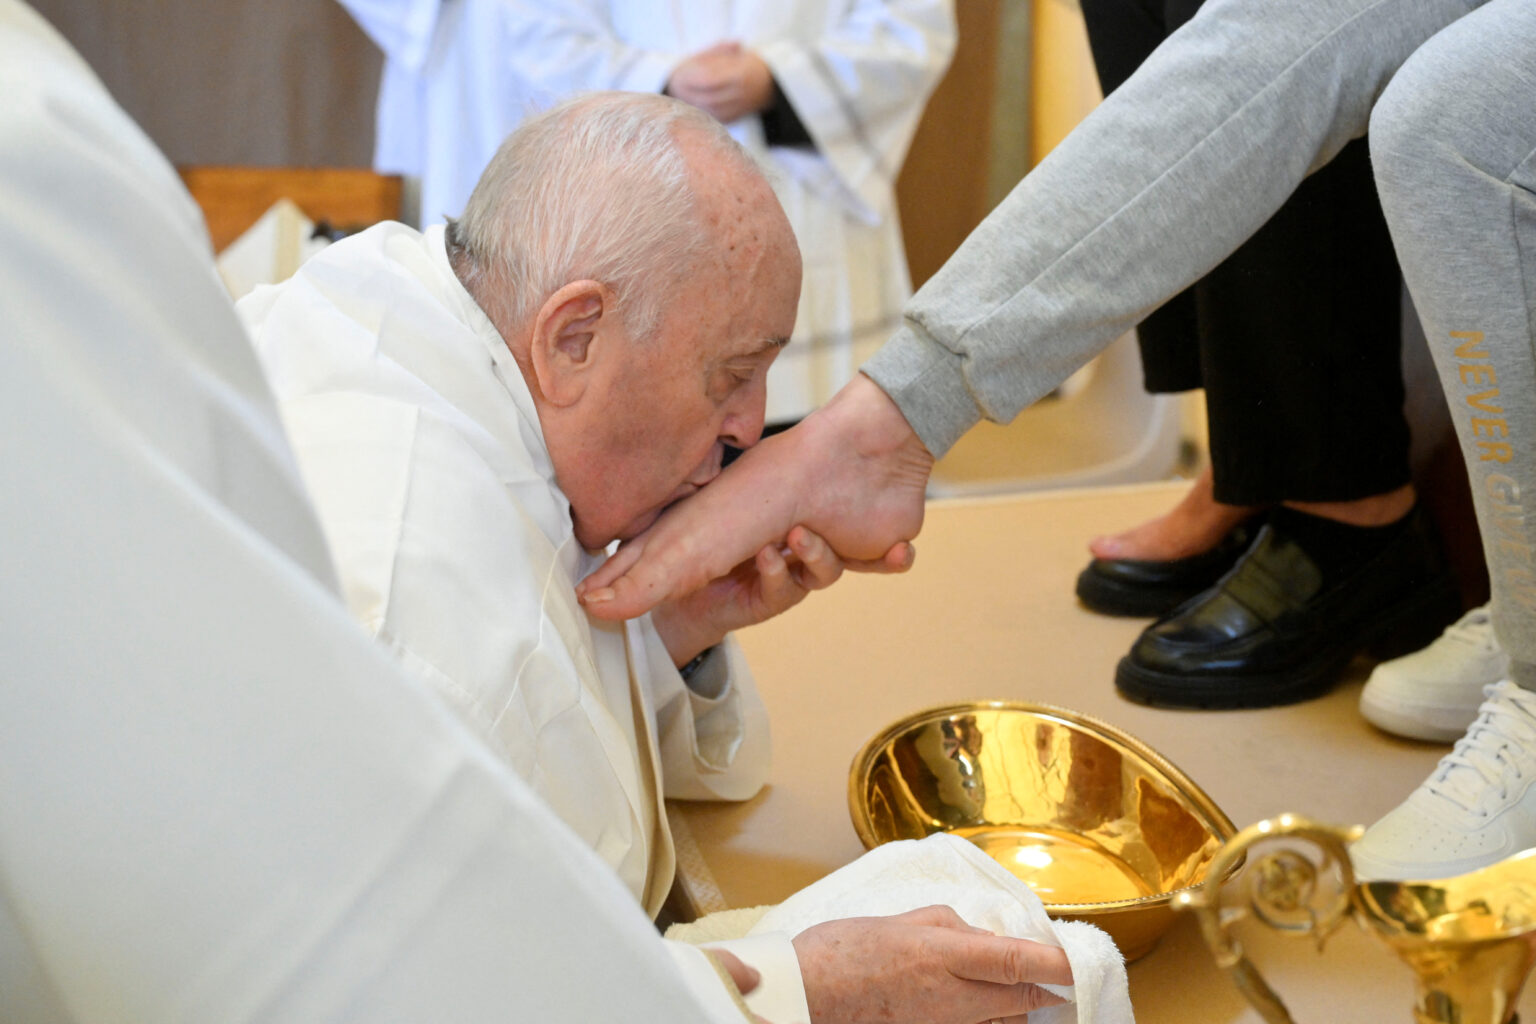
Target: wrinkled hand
(853, 472)
(924, 967)
(726, 81)
(774, 581)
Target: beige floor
(988, 612)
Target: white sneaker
(1476, 808)
(1434, 693)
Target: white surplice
(460, 75)
(449, 93)
(219, 799)
(420, 442)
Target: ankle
(1337, 548)
(1376, 510)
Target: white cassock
(219, 799)
(459, 77)
(449, 93)
(420, 442)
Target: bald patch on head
(740, 290)
(735, 204)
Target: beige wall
(1021, 79)
(233, 81)
(1063, 84)
(943, 188)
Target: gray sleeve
(1168, 176)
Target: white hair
(593, 188)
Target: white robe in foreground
(418, 437)
(458, 77)
(219, 800)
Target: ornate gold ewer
(1470, 940)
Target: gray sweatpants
(1196, 151)
(1453, 141)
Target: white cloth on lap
(945, 869)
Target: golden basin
(1100, 825)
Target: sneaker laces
(1498, 750)
(1475, 629)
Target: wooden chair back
(234, 198)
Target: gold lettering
(1468, 349)
(1508, 542)
(1500, 486)
(1490, 428)
(1481, 401)
(1473, 374)
(1509, 527)
(1521, 585)
(1515, 548)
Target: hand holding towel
(944, 869)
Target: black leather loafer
(1269, 632)
(1130, 586)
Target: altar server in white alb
(448, 95)
(825, 93)
(480, 409)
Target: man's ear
(567, 340)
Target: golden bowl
(1099, 824)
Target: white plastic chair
(1107, 431)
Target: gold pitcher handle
(1284, 883)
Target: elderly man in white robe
(481, 409)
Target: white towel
(944, 869)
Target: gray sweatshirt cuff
(927, 384)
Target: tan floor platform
(988, 612)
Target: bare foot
(854, 472)
(1191, 527)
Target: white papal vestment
(419, 440)
(219, 800)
